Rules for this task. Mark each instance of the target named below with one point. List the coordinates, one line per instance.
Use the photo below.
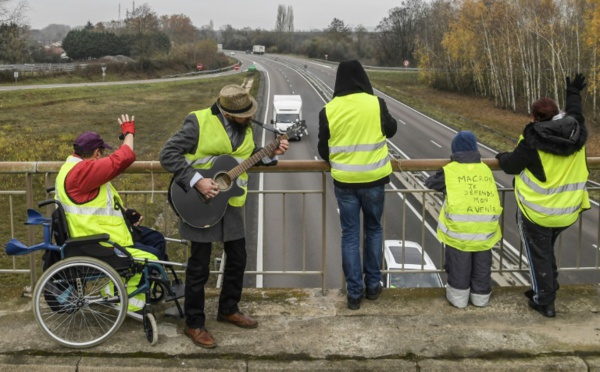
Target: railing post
(323, 229)
(29, 201)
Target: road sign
(236, 67)
(406, 63)
(199, 66)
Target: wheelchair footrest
(173, 312)
(178, 289)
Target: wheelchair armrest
(90, 246)
(46, 202)
(83, 240)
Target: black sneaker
(354, 303)
(373, 293)
(545, 310)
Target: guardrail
(69, 67)
(37, 176)
(42, 67)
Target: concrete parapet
(302, 330)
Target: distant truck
(287, 110)
(258, 49)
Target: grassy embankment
(493, 126)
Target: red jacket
(84, 180)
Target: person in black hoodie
(550, 187)
(353, 128)
(468, 223)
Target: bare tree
(397, 33)
(13, 11)
(289, 28)
(280, 26)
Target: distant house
(56, 49)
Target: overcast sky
(308, 14)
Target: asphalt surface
(304, 330)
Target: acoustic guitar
(199, 212)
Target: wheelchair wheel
(150, 328)
(72, 302)
(157, 292)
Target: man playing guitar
(209, 136)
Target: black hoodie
(351, 78)
(563, 136)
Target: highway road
(418, 137)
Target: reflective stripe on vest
(358, 151)
(469, 219)
(98, 215)
(558, 201)
(214, 141)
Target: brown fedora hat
(236, 101)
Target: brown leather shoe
(238, 319)
(200, 337)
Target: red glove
(127, 126)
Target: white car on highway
(395, 253)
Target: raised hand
(577, 83)
(127, 126)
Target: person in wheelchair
(93, 206)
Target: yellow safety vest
(469, 219)
(358, 151)
(97, 216)
(214, 141)
(558, 201)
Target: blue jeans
(151, 241)
(351, 202)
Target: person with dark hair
(222, 129)
(468, 224)
(544, 109)
(93, 206)
(550, 188)
(353, 128)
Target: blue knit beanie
(464, 141)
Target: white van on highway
(414, 258)
(287, 110)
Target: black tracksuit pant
(539, 244)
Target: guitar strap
(264, 127)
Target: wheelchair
(81, 299)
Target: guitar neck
(248, 163)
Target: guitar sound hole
(223, 181)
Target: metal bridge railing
(29, 181)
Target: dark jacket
(172, 158)
(351, 78)
(437, 181)
(562, 137)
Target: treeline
(87, 43)
(512, 51)
(144, 36)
